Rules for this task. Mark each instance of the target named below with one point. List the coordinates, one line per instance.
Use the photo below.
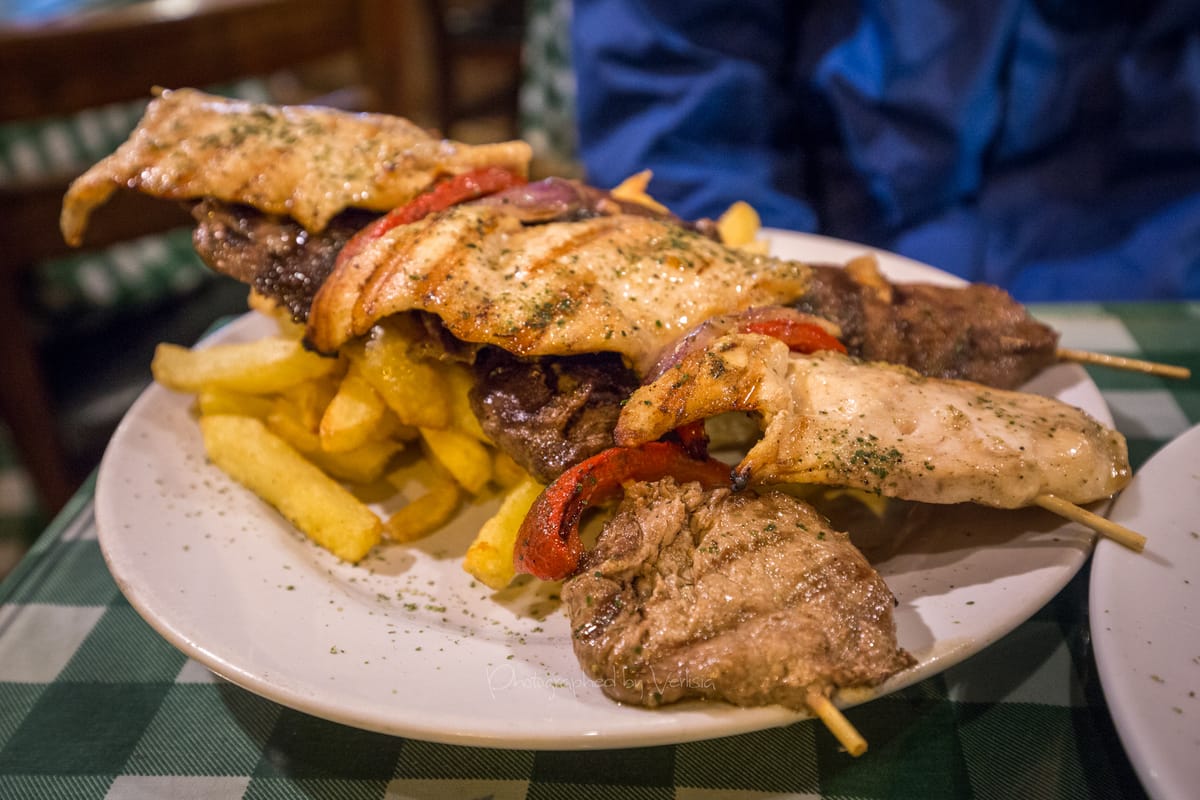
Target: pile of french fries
(310, 435)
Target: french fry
(308, 400)
(463, 456)
(315, 503)
(458, 383)
(291, 421)
(412, 387)
(633, 190)
(366, 463)
(490, 556)
(391, 426)
(507, 472)
(427, 513)
(354, 414)
(259, 367)
(418, 470)
(223, 401)
(739, 225)
(286, 421)
(290, 425)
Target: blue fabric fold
(1051, 147)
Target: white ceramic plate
(406, 643)
(1145, 627)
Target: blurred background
(79, 327)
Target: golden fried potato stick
(315, 503)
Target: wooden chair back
(100, 57)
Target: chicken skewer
(303, 161)
(829, 419)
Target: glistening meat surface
(749, 599)
(975, 332)
(549, 413)
(273, 254)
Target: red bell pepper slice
(548, 543)
(471, 185)
(800, 337)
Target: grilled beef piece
(273, 254)
(751, 599)
(976, 332)
(549, 413)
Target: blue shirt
(1051, 147)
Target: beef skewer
(667, 493)
(883, 317)
(745, 598)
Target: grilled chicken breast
(305, 162)
(621, 282)
(833, 420)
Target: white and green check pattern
(547, 100)
(93, 703)
(128, 276)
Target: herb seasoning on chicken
(833, 420)
(305, 162)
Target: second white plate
(1145, 631)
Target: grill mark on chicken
(574, 242)
(750, 599)
(435, 274)
(624, 283)
(526, 337)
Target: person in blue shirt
(1051, 147)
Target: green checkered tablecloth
(93, 703)
(86, 288)
(547, 100)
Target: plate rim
(1159, 777)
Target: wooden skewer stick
(1122, 362)
(842, 729)
(1105, 527)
